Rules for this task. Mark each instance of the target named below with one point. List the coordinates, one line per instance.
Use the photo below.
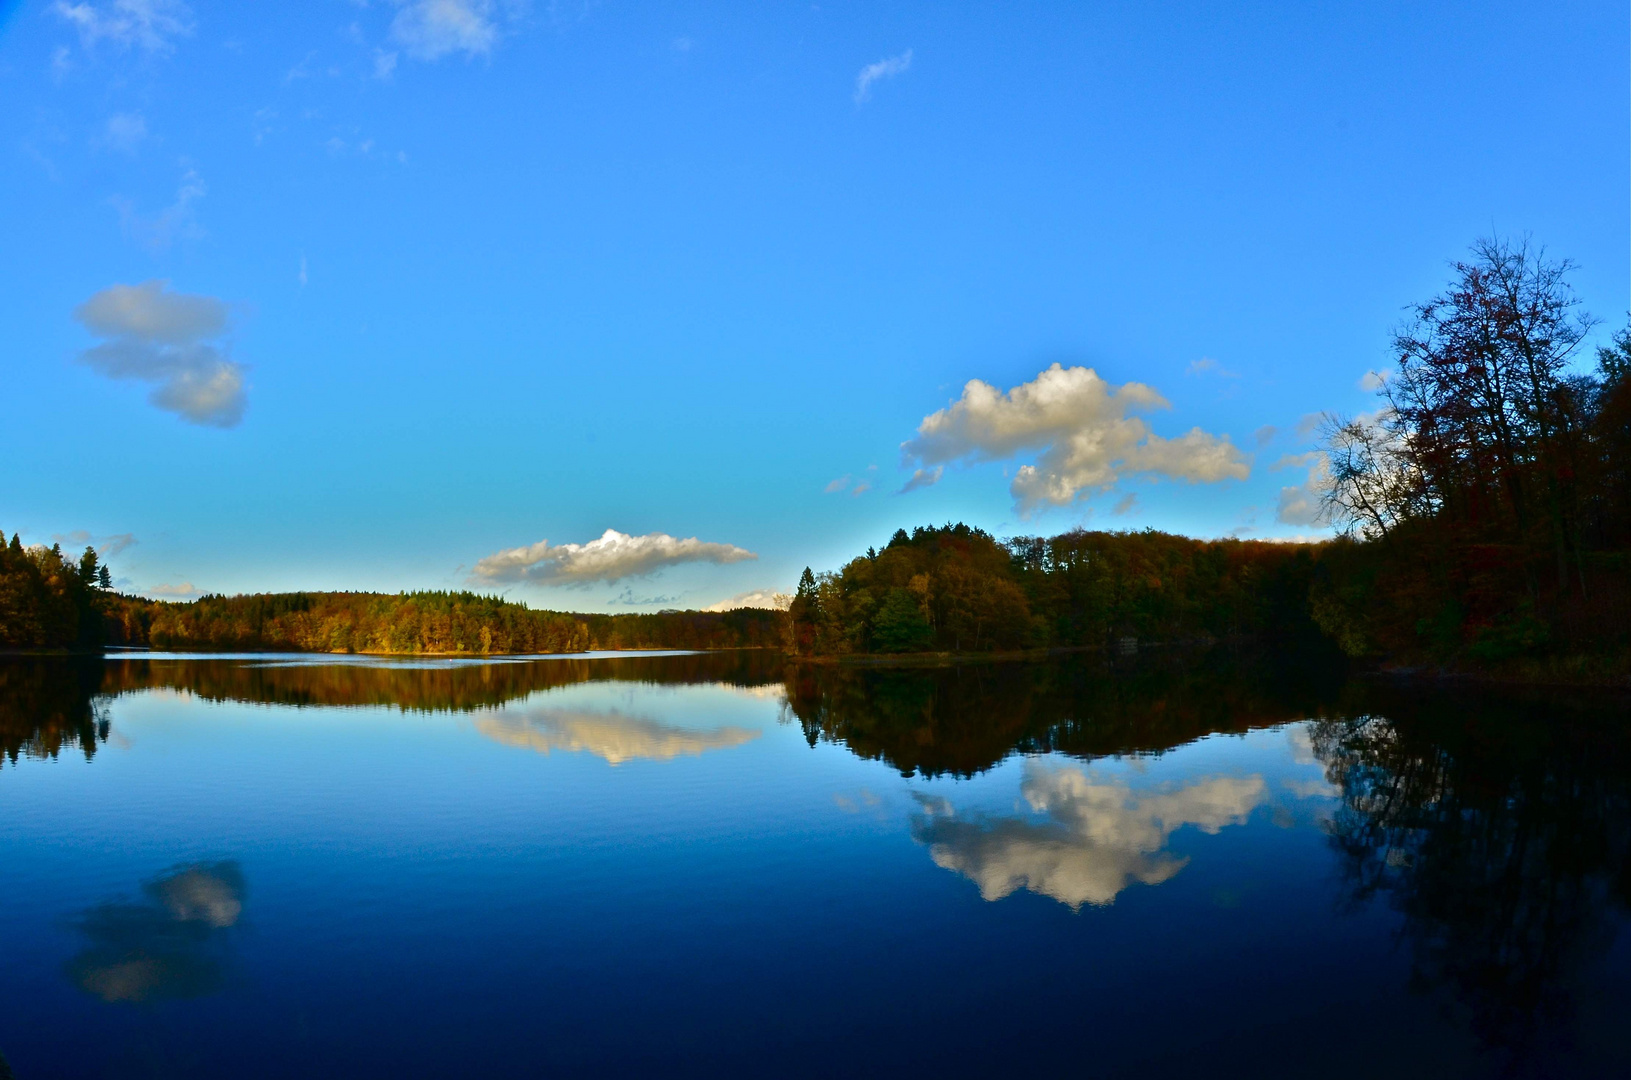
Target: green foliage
(957, 589)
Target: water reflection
(615, 736)
(49, 706)
(1501, 831)
(1099, 836)
(962, 720)
(171, 944)
(426, 685)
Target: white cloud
(1373, 380)
(837, 485)
(613, 736)
(883, 69)
(1084, 429)
(150, 25)
(124, 132)
(1304, 503)
(1265, 435)
(430, 29)
(757, 598)
(165, 338)
(1100, 836)
(384, 64)
(611, 558)
(183, 591)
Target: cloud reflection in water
(1100, 835)
(170, 945)
(614, 736)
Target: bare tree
(1370, 482)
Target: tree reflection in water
(51, 704)
(1500, 831)
(170, 944)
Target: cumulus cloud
(149, 25)
(614, 736)
(887, 68)
(169, 945)
(431, 29)
(1084, 428)
(613, 557)
(757, 598)
(1099, 836)
(1303, 504)
(169, 339)
(184, 591)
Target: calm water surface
(273, 866)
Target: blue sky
(416, 294)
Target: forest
(49, 603)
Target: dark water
(725, 865)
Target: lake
(727, 864)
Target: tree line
(955, 588)
(48, 602)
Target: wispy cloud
(887, 68)
(169, 339)
(1084, 428)
(613, 557)
(1208, 366)
(149, 25)
(1125, 504)
(837, 485)
(922, 478)
(124, 132)
(107, 546)
(178, 220)
(182, 591)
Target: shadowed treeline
(964, 719)
(1501, 830)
